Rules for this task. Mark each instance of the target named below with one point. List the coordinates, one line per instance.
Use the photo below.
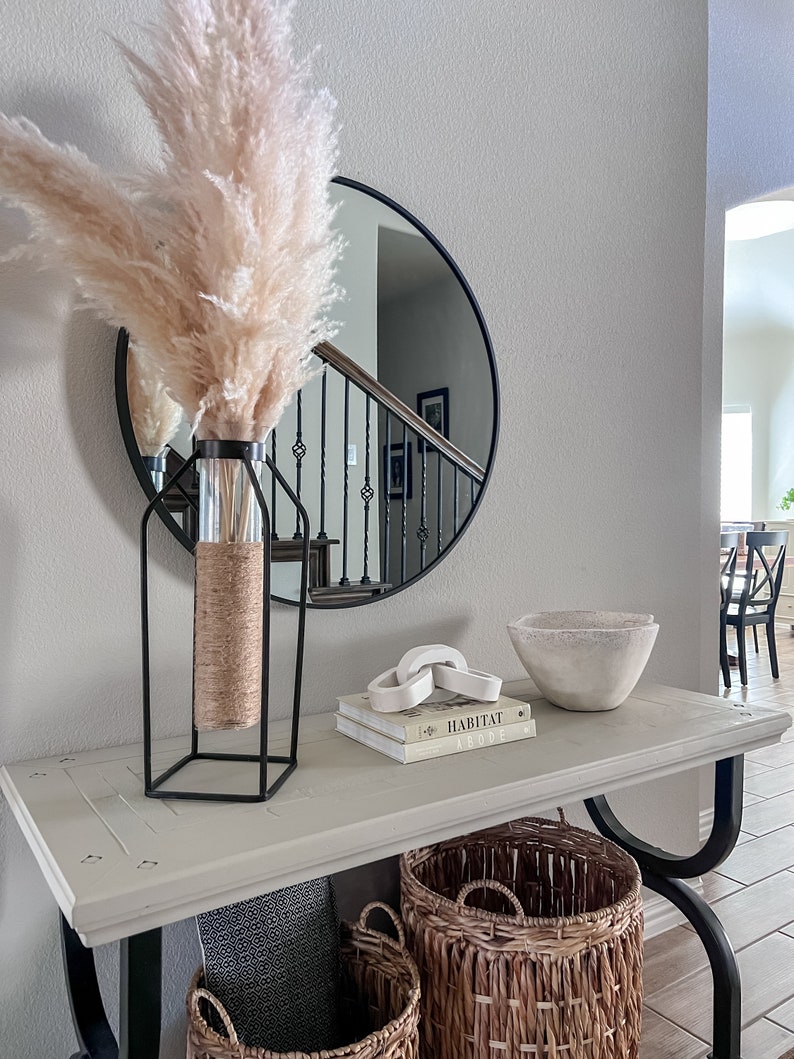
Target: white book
(425, 749)
(431, 720)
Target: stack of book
(434, 729)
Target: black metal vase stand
(246, 453)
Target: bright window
(736, 504)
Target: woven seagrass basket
(379, 1004)
(558, 976)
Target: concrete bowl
(584, 660)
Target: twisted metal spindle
(322, 535)
(404, 528)
(439, 511)
(456, 502)
(273, 535)
(299, 452)
(423, 532)
(344, 579)
(367, 493)
(386, 501)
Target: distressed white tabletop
(119, 863)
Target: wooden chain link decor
(548, 966)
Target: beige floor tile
(770, 814)
(779, 754)
(771, 783)
(752, 768)
(756, 911)
(765, 1040)
(662, 1040)
(716, 886)
(748, 798)
(766, 978)
(670, 956)
(761, 857)
(783, 1015)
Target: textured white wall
(558, 151)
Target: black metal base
(156, 790)
(140, 975)
(662, 872)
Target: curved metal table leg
(663, 872)
(139, 999)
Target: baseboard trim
(660, 914)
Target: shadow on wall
(9, 588)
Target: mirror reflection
(389, 445)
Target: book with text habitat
(430, 720)
(425, 749)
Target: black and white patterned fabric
(273, 962)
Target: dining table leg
(664, 873)
(140, 1004)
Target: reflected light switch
(352, 456)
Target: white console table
(121, 866)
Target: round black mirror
(391, 444)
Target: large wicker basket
(563, 981)
(379, 1003)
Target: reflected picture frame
(397, 469)
(433, 407)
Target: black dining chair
(755, 603)
(729, 547)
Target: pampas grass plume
(220, 261)
(155, 417)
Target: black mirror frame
(143, 476)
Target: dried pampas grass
(220, 262)
(155, 417)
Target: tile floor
(753, 894)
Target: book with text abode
(424, 749)
(431, 720)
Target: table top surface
(119, 863)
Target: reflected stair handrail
(361, 378)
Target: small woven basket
(379, 1004)
(557, 977)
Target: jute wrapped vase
(228, 611)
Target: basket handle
(398, 924)
(490, 884)
(563, 819)
(221, 1010)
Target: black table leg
(139, 1006)
(663, 872)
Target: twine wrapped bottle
(228, 614)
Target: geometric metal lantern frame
(246, 452)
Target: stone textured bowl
(584, 659)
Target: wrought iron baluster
(439, 510)
(386, 501)
(322, 535)
(367, 493)
(299, 452)
(273, 534)
(344, 579)
(423, 532)
(404, 529)
(456, 503)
